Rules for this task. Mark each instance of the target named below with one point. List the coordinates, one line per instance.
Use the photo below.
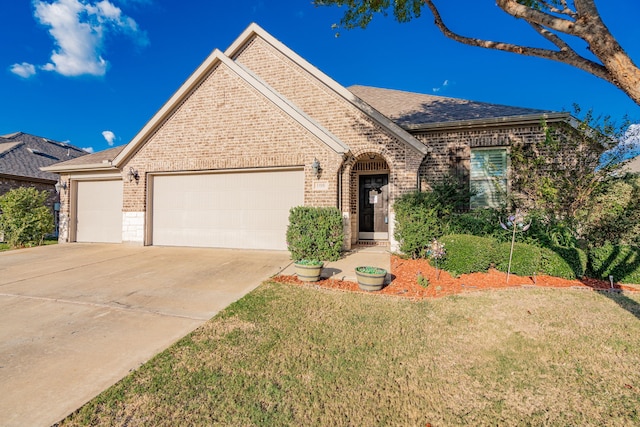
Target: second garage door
(99, 211)
(248, 210)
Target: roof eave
(27, 178)
(90, 167)
(521, 120)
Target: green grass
(286, 355)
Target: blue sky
(98, 88)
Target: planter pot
(370, 281)
(308, 273)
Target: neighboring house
(257, 130)
(21, 157)
(633, 165)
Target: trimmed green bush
(315, 233)
(417, 222)
(467, 253)
(621, 262)
(24, 218)
(526, 258)
(568, 263)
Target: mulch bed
(405, 274)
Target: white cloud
(79, 28)
(442, 87)
(88, 149)
(24, 70)
(109, 136)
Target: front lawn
(289, 355)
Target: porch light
(315, 167)
(133, 174)
(60, 185)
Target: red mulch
(405, 281)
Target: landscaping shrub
(315, 233)
(467, 254)
(417, 222)
(614, 214)
(479, 222)
(569, 263)
(24, 218)
(526, 258)
(622, 262)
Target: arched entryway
(370, 198)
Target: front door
(373, 207)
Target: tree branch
(565, 55)
(564, 11)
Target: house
(633, 166)
(21, 157)
(256, 130)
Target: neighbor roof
(22, 155)
(416, 110)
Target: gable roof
(96, 161)
(254, 30)
(22, 155)
(415, 111)
(216, 58)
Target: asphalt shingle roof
(23, 155)
(408, 109)
(95, 158)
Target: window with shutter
(488, 177)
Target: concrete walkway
(76, 318)
(344, 268)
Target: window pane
(488, 177)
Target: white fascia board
(98, 167)
(286, 106)
(255, 30)
(194, 79)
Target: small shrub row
(470, 254)
(620, 261)
(315, 233)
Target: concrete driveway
(76, 318)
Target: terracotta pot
(308, 273)
(371, 281)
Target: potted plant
(308, 270)
(370, 278)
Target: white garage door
(99, 211)
(247, 210)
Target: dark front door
(373, 207)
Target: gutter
(90, 167)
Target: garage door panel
(99, 211)
(233, 210)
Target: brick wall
(362, 134)
(7, 184)
(451, 150)
(227, 124)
